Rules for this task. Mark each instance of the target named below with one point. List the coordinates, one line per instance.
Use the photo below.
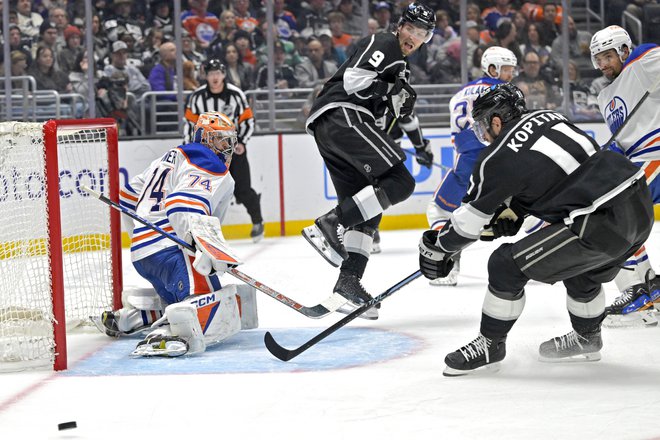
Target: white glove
(205, 265)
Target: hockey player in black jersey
(364, 162)
(597, 205)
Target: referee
(218, 95)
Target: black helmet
(214, 64)
(503, 100)
(421, 16)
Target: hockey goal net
(60, 249)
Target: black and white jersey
(377, 59)
(231, 101)
(540, 165)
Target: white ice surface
(403, 398)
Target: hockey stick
(634, 110)
(435, 164)
(285, 354)
(329, 305)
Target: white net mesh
(26, 315)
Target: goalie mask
(421, 16)
(216, 131)
(505, 101)
(612, 37)
(499, 57)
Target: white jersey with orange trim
(640, 139)
(188, 180)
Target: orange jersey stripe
(187, 202)
(150, 234)
(192, 117)
(247, 114)
(128, 196)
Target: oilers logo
(616, 113)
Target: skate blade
(315, 238)
(584, 357)
(348, 308)
(485, 369)
(447, 282)
(644, 318)
(149, 351)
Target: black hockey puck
(66, 425)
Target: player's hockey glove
(433, 262)
(504, 223)
(423, 154)
(402, 98)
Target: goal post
(60, 250)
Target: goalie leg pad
(218, 314)
(185, 325)
(142, 298)
(247, 302)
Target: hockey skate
(654, 292)
(632, 308)
(257, 232)
(481, 354)
(452, 278)
(160, 344)
(375, 245)
(108, 323)
(572, 347)
(348, 285)
(326, 235)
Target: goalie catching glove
(433, 262)
(212, 252)
(504, 223)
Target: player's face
(411, 38)
(609, 63)
(507, 73)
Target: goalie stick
(327, 306)
(285, 354)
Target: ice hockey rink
(370, 380)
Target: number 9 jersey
(188, 180)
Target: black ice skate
(326, 235)
(633, 307)
(348, 285)
(257, 232)
(481, 354)
(572, 347)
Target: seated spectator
(578, 47)
(46, 75)
(60, 19)
(493, 16)
(244, 20)
(583, 105)
(352, 20)
(539, 93)
(239, 73)
(244, 44)
(475, 63)
(474, 13)
(48, 39)
(443, 31)
(162, 75)
(78, 75)
(340, 39)
(200, 23)
(68, 54)
(285, 21)
(19, 63)
(521, 22)
(533, 43)
(314, 70)
(121, 20)
(285, 77)
(27, 20)
(330, 52)
(505, 36)
(151, 53)
(136, 82)
(162, 16)
(190, 76)
(101, 43)
(188, 50)
(548, 28)
(313, 18)
(17, 42)
(443, 62)
(383, 15)
(114, 102)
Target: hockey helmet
(503, 100)
(497, 56)
(214, 64)
(216, 131)
(611, 37)
(421, 16)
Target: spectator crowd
(134, 50)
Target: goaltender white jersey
(188, 180)
(640, 139)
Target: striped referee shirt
(231, 101)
